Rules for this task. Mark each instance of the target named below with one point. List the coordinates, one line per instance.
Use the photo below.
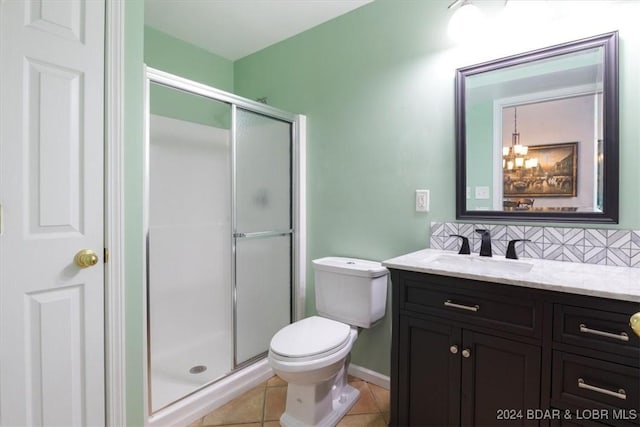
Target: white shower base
(200, 403)
(171, 379)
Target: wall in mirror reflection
(560, 166)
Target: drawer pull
(474, 308)
(622, 336)
(620, 394)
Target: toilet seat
(311, 338)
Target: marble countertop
(621, 283)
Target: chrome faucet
(485, 246)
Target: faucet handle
(511, 249)
(482, 231)
(464, 249)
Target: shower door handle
(258, 234)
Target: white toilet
(312, 354)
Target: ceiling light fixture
(466, 22)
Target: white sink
(478, 264)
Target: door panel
(54, 326)
(51, 191)
(498, 374)
(54, 148)
(431, 366)
(61, 18)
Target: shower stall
(223, 235)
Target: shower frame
(298, 223)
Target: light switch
(422, 200)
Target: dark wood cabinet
(473, 353)
(454, 376)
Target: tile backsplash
(585, 245)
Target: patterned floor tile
(263, 406)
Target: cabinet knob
(453, 349)
(466, 353)
(634, 322)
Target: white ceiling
(236, 28)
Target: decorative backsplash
(585, 245)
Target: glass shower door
(262, 232)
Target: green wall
(133, 175)
(167, 53)
(480, 153)
(377, 86)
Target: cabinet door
(498, 374)
(429, 359)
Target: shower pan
(223, 239)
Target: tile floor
(263, 405)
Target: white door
(51, 192)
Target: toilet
(312, 354)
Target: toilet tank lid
(351, 266)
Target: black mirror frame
(609, 41)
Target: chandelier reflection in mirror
(515, 157)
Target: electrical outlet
(422, 200)
(482, 193)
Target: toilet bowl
(312, 355)
(318, 393)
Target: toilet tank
(353, 291)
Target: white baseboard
(370, 376)
(212, 397)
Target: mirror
(537, 135)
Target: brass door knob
(86, 258)
(634, 322)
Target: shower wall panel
(189, 257)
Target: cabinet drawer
(598, 329)
(473, 302)
(595, 384)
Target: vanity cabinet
(470, 352)
(596, 362)
(457, 376)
